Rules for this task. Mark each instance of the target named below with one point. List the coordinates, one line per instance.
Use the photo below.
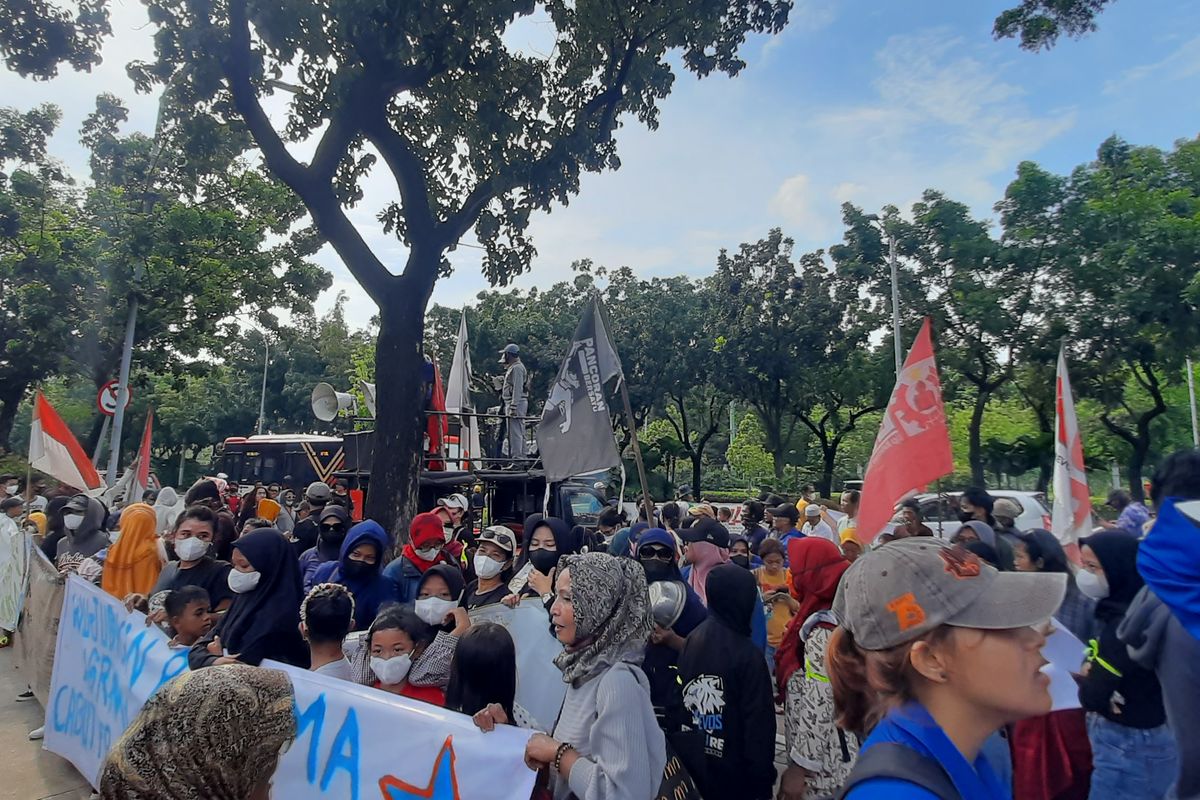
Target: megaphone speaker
(327, 402)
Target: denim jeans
(1130, 763)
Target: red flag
(437, 427)
(54, 450)
(913, 445)
(141, 478)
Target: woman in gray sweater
(606, 744)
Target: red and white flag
(1071, 517)
(141, 475)
(913, 445)
(54, 450)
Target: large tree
(1039, 23)
(477, 134)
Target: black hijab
(270, 610)
(1117, 553)
(453, 578)
(732, 592)
(567, 540)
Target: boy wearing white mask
(493, 566)
(83, 522)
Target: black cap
(785, 510)
(706, 529)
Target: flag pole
(647, 503)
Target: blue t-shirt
(912, 726)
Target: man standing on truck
(514, 395)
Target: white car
(940, 511)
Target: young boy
(326, 616)
(189, 614)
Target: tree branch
(408, 171)
(318, 195)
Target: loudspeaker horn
(327, 402)
(368, 392)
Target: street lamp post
(892, 267)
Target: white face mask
(433, 610)
(391, 671)
(11, 489)
(448, 532)
(429, 553)
(72, 521)
(486, 567)
(191, 549)
(1093, 585)
(242, 582)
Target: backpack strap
(899, 762)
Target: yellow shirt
(780, 613)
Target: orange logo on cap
(961, 562)
(908, 611)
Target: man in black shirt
(306, 531)
(194, 533)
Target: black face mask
(355, 570)
(741, 561)
(333, 535)
(543, 560)
(965, 516)
(658, 570)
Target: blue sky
(870, 101)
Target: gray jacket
(513, 390)
(1156, 640)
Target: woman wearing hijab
(264, 619)
(1051, 754)
(215, 734)
(1133, 752)
(545, 542)
(55, 530)
(136, 559)
(727, 688)
(606, 744)
(706, 546)
(359, 568)
(167, 507)
(820, 754)
(425, 549)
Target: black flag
(575, 433)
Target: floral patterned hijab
(212, 734)
(612, 614)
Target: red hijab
(815, 566)
(424, 532)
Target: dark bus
(306, 458)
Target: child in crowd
(326, 616)
(189, 613)
(484, 671)
(396, 639)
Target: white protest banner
(1065, 654)
(540, 685)
(354, 743)
(107, 663)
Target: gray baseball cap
(318, 490)
(909, 587)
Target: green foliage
(1039, 23)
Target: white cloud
(1183, 62)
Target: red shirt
(426, 694)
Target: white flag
(458, 398)
(1071, 518)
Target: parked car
(940, 511)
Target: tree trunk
(696, 457)
(10, 403)
(397, 456)
(828, 456)
(1137, 461)
(975, 449)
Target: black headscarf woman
(263, 621)
(544, 559)
(55, 529)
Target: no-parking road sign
(106, 400)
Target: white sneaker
(37, 733)
(25, 695)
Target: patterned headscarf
(612, 614)
(212, 734)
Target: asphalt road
(27, 772)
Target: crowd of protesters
(891, 663)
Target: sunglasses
(333, 528)
(656, 553)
